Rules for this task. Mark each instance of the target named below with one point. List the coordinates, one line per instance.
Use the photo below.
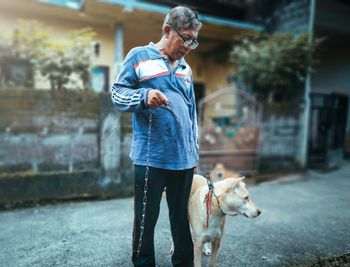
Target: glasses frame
(193, 43)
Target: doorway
(199, 92)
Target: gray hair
(182, 17)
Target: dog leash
(145, 188)
(208, 200)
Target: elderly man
(156, 85)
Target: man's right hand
(156, 98)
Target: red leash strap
(208, 200)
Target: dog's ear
(236, 179)
(232, 182)
(239, 179)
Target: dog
(207, 210)
(219, 172)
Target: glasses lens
(194, 44)
(191, 43)
(187, 43)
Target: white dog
(207, 209)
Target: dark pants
(178, 187)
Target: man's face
(176, 48)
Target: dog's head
(234, 198)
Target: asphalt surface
(305, 221)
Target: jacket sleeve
(126, 94)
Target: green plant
(61, 61)
(30, 40)
(274, 63)
(81, 47)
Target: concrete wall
(60, 144)
(279, 138)
(49, 131)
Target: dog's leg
(214, 252)
(197, 249)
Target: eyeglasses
(193, 43)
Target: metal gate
(229, 126)
(327, 129)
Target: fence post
(110, 152)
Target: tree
(56, 59)
(275, 63)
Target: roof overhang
(71, 4)
(130, 5)
(143, 20)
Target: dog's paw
(171, 251)
(206, 249)
(207, 252)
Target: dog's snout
(259, 212)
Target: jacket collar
(154, 53)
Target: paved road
(304, 218)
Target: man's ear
(166, 30)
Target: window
(16, 73)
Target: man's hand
(156, 98)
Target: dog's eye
(247, 198)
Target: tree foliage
(274, 63)
(57, 59)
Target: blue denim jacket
(174, 135)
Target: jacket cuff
(145, 99)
